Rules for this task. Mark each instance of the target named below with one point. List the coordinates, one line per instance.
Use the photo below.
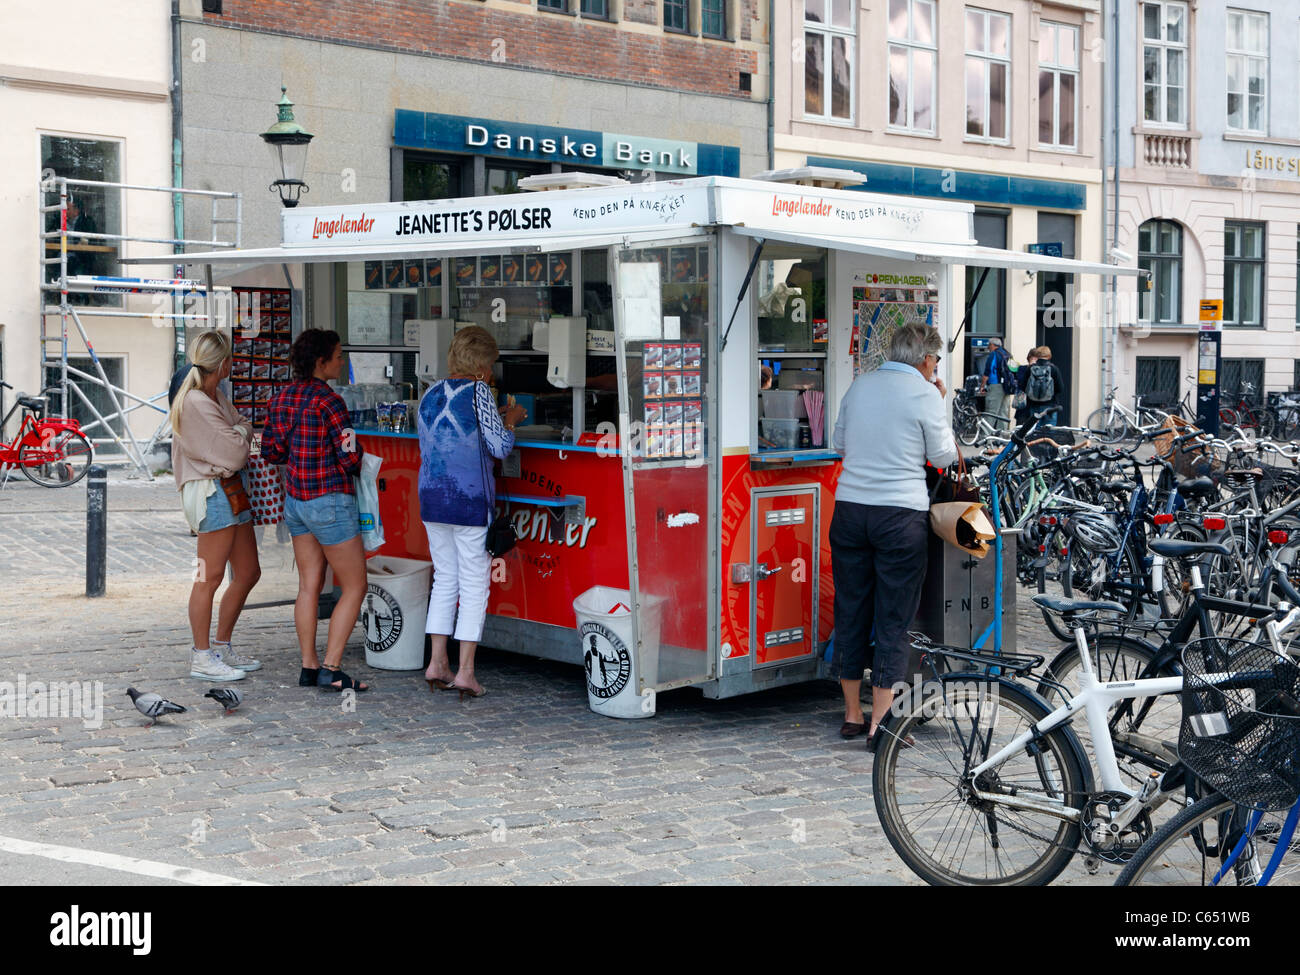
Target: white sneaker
(208, 665)
(231, 658)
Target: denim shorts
(217, 515)
(332, 518)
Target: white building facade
(992, 102)
(84, 93)
(1208, 190)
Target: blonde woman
(210, 444)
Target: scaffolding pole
(69, 378)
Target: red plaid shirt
(308, 428)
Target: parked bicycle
(50, 452)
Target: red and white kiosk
(654, 464)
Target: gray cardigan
(891, 422)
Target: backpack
(1040, 387)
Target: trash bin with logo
(394, 610)
(611, 666)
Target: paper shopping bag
(962, 524)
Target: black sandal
(308, 676)
(326, 681)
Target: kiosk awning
(336, 253)
(971, 254)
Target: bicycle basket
(1240, 732)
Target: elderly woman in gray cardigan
(891, 422)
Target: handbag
(950, 485)
(501, 536)
(265, 491)
(1019, 401)
(235, 494)
(956, 513)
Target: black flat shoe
(308, 677)
(851, 729)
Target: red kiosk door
(784, 574)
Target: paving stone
(410, 788)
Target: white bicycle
(978, 781)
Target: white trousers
(462, 572)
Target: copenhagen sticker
(606, 660)
(382, 617)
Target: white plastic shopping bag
(367, 486)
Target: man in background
(995, 381)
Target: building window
(1239, 377)
(828, 45)
(1164, 63)
(988, 314)
(91, 210)
(1247, 71)
(595, 8)
(1160, 252)
(1297, 277)
(988, 72)
(913, 54)
(1058, 84)
(713, 17)
(1243, 273)
(426, 178)
(504, 179)
(676, 16)
(561, 5)
(1157, 380)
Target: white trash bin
(611, 669)
(393, 612)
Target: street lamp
(288, 141)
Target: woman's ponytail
(210, 350)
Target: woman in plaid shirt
(309, 429)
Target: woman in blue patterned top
(460, 432)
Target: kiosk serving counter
(647, 323)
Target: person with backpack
(996, 380)
(1044, 387)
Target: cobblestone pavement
(525, 785)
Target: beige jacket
(213, 441)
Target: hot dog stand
(638, 323)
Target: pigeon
(153, 705)
(227, 697)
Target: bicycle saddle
(1088, 472)
(31, 402)
(1065, 607)
(1196, 485)
(1180, 549)
(1116, 487)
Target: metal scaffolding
(182, 299)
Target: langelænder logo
(606, 660)
(382, 617)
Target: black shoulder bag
(501, 535)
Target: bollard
(96, 529)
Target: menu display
(262, 336)
(674, 407)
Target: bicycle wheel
(1147, 725)
(1288, 423)
(966, 423)
(1190, 849)
(62, 460)
(1265, 423)
(1091, 575)
(1106, 426)
(926, 807)
(1228, 416)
